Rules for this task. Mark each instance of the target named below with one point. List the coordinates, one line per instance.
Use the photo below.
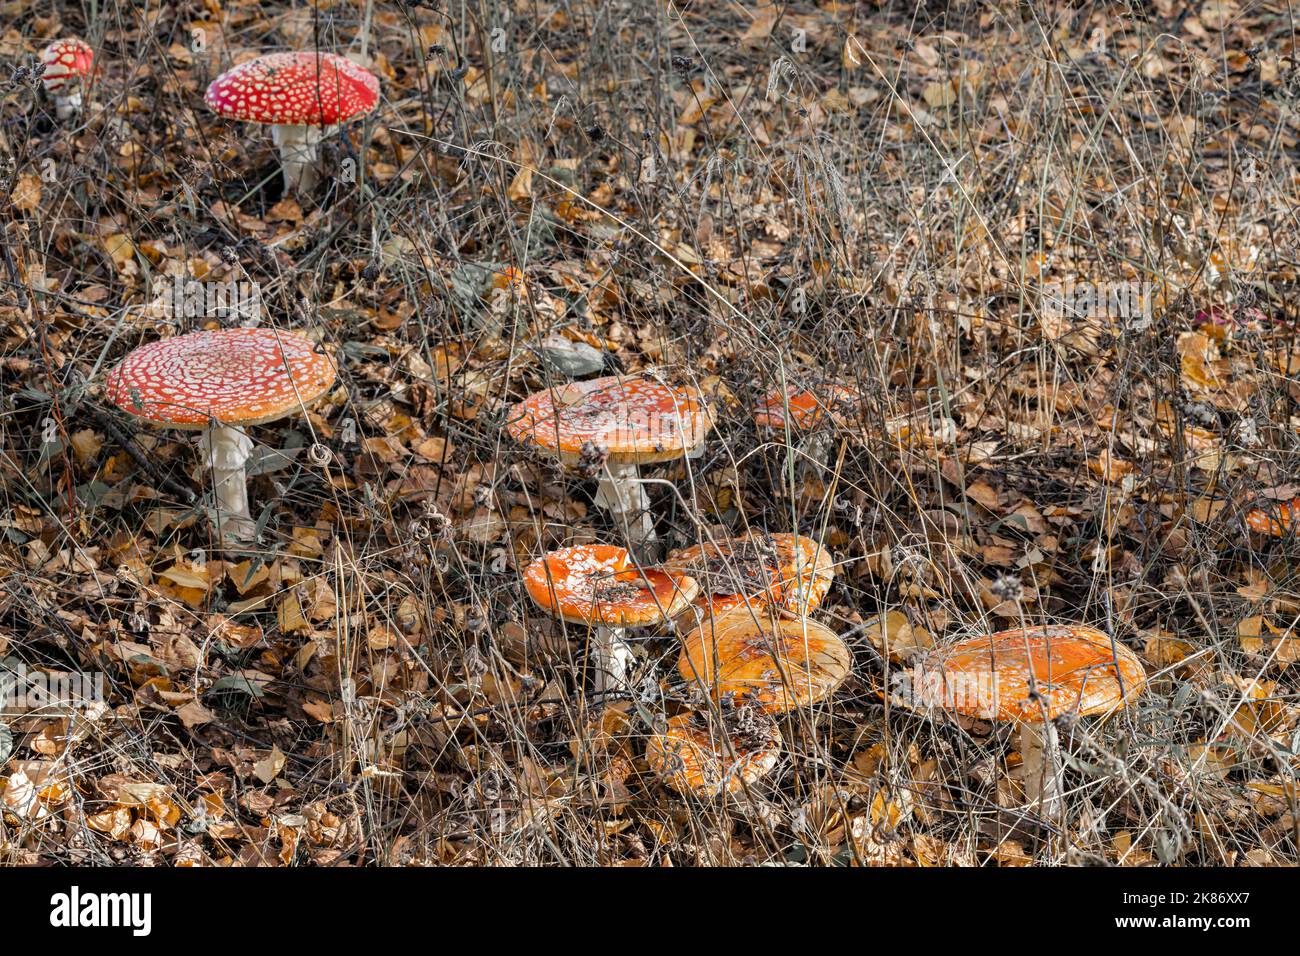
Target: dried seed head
(1007, 587)
(592, 458)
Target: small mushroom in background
(302, 96)
(804, 417)
(1276, 521)
(219, 382)
(790, 571)
(755, 655)
(1029, 676)
(610, 427)
(696, 754)
(599, 586)
(69, 65)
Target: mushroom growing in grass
(599, 586)
(805, 417)
(755, 655)
(1277, 520)
(69, 64)
(790, 571)
(1030, 677)
(302, 96)
(609, 427)
(696, 754)
(219, 382)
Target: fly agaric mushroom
(302, 96)
(691, 755)
(219, 382)
(753, 654)
(610, 426)
(1277, 521)
(805, 412)
(599, 585)
(791, 571)
(1030, 676)
(69, 64)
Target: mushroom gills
(612, 659)
(621, 494)
(225, 450)
(299, 155)
(1040, 754)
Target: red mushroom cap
(600, 584)
(295, 89)
(1275, 520)
(237, 376)
(1029, 674)
(804, 408)
(67, 61)
(634, 419)
(789, 570)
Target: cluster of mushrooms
(222, 381)
(751, 650)
(302, 96)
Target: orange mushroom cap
(692, 757)
(635, 420)
(67, 61)
(804, 408)
(599, 584)
(778, 664)
(295, 89)
(1278, 520)
(1073, 668)
(789, 570)
(237, 376)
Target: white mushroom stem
(1040, 754)
(226, 450)
(611, 659)
(67, 106)
(621, 494)
(299, 155)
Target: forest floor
(894, 196)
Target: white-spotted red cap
(295, 89)
(1029, 674)
(755, 656)
(632, 419)
(789, 570)
(237, 376)
(1276, 520)
(67, 62)
(600, 584)
(693, 757)
(804, 408)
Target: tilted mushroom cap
(790, 570)
(692, 757)
(634, 420)
(66, 61)
(599, 584)
(237, 376)
(779, 664)
(988, 677)
(295, 89)
(1278, 520)
(804, 407)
